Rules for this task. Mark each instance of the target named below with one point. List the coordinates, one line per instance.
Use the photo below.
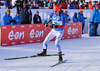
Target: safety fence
(34, 33)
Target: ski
(31, 56)
(58, 63)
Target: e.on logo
(72, 30)
(36, 34)
(15, 36)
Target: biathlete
(58, 23)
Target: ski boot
(60, 57)
(42, 53)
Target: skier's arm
(48, 18)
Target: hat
(25, 1)
(75, 13)
(8, 10)
(90, 1)
(56, 8)
(37, 11)
(96, 6)
(81, 11)
(66, 11)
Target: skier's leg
(58, 38)
(45, 42)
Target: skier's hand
(46, 24)
(53, 26)
(85, 17)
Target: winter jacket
(70, 6)
(75, 20)
(8, 4)
(17, 19)
(90, 6)
(37, 19)
(95, 16)
(6, 19)
(66, 18)
(57, 20)
(25, 15)
(81, 18)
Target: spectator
(82, 6)
(51, 6)
(90, 5)
(17, 19)
(37, 18)
(70, 5)
(99, 4)
(34, 5)
(67, 19)
(75, 19)
(81, 19)
(25, 14)
(7, 18)
(95, 19)
(8, 4)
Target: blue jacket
(57, 18)
(6, 19)
(66, 18)
(81, 18)
(17, 18)
(95, 16)
(0, 24)
(70, 6)
(75, 20)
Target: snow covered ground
(83, 54)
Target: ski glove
(46, 24)
(85, 18)
(12, 21)
(53, 26)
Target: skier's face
(56, 12)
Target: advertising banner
(34, 33)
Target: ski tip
(5, 59)
(59, 63)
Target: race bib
(57, 22)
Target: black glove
(85, 18)
(53, 26)
(12, 21)
(46, 24)
(92, 22)
(69, 19)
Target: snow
(83, 54)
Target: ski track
(83, 54)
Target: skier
(58, 23)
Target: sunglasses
(55, 11)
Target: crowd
(25, 17)
(37, 4)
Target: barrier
(0, 36)
(34, 33)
